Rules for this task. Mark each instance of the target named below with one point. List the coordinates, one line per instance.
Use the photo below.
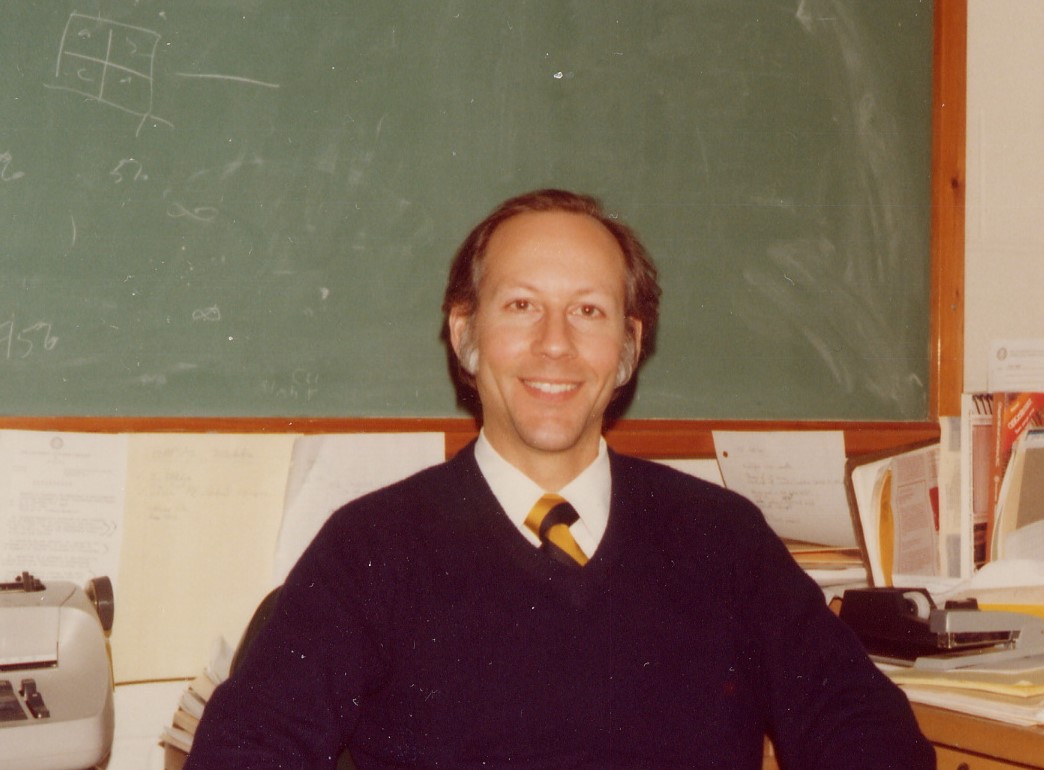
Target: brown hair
(642, 290)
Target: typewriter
(56, 689)
(903, 625)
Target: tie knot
(550, 520)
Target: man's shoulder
(402, 512)
(639, 472)
(443, 481)
(655, 485)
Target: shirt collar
(589, 493)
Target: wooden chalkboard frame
(692, 438)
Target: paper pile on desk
(1012, 691)
(177, 737)
(1027, 712)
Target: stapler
(56, 688)
(903, 625)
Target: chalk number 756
(22, 343)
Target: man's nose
(555, 335)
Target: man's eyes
(586, 310)
(590, 311)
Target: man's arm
(293, 700)
(831, 707)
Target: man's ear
(631, 353)
(635, 327)
(459, 325)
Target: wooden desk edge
(978, 735)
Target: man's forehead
(545, 238)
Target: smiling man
(547, 340)
(540, 601)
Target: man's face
(549, 332)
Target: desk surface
(1022, 746)
(966, 742)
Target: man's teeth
(551, 387)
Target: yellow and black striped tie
(550, 520)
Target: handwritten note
(797, 479)
(328, 471)
(61, 504)
(203, 513)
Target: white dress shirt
(588, 493)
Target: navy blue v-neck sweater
(422, 630)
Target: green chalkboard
(247, 207)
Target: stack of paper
(829, 565)
(177, 736)
(1012, 691)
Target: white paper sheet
(327, 471)
(203, 512)
(61, 504)
(797, 478)
(1016, 366)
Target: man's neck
(551, 471)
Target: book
(191, 704)
(1013, 415)
(186, 721)
(896, 499)
(1018, 530)
(176, 737)
(174, 758)
(204, 684)
(976, 468)
(829, 566)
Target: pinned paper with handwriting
(797, 478)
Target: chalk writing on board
(301, 385)
(6, 174)
(197, 214)
(129, 168)
(212, 313)
(108, 62)
(231, 78)
(16, 342)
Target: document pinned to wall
(1016, 366)
(797, 478)
(61, 504)
(203, 513)
(327, 471)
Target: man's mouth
(551, 388)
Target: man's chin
(557, 439)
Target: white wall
(1004, 262)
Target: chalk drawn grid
(109, 62)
